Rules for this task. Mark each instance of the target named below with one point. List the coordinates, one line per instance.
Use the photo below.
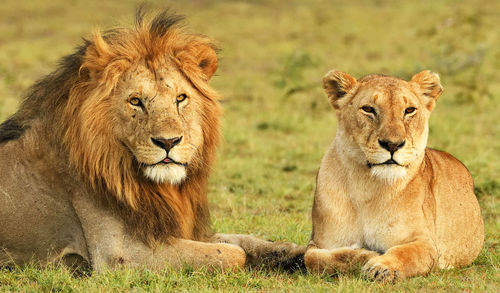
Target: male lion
(384, 200)
(106, 162)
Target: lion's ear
(97, 55)
(197, 56)
(100, 60)
(429, 85)
(207, 60)
(338, 84)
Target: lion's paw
(378, 271)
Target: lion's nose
(391, 146)
(166, 143)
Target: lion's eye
(410, 110)
(180, 98)
(135, 101)
(368, 109)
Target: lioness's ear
(338, 84)
(429, 85)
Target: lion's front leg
(178, 254)
(402, 261)
(110, 244)
(181, 253)
(262, 253)
(339, 260)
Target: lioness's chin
(162, 173)
(390, 173)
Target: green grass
(278, 122)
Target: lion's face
(383, 121)
(141, 123)
(158, 119)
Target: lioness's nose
(391, 146)
(166, 143)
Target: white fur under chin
(389, 173)
(161, 173)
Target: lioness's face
(388, 123)
(384, 120)
(158, 119)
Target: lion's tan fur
(397, 219)
(89, 178)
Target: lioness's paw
(314, 260)
(376, 270)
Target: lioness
(383, 200)
(106, 162)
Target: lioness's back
(456, 208)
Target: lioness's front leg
(402, 261)
(269, 254)
(339, 260)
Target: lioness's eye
(180, 98)
(135, 101)
(369, 109)
(410, 110)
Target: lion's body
(36, 209)
(396, 225)
(107, 160)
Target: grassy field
(278, 122)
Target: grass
(278, 123)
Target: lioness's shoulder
(447, 168)
(442, 157)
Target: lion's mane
(73, 100)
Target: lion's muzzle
(166, 143)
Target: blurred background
(278, 122)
